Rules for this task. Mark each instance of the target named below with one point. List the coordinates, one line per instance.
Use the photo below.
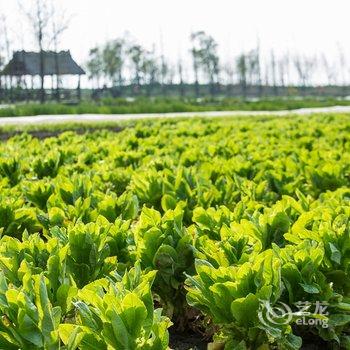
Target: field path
(91, 118)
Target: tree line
(124, 61)
(124, 64)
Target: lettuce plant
(117, 315)
(28, 319)
(162, 244)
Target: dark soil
(311, 341)
(186, 341)
(317, 344)
(194, 341)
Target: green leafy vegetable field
(236, 230)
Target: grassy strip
(142, 105)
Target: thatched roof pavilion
(41, 64)
(54, 63)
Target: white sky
(305, 26)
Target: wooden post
(32, 87)
(79, 90)
(58, 92)
(26, 88)
(1, 89)
(11, 88)
(57, 65)
(52, 88)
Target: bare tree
(242, 69)
(39, 16)
(195, 52)
(283, 70)
(267, 75)
(229, 72)
(171, 74)
(329, 70)
(2, 63)
(113, 55)
(342, 69)
(258, 69)
(5, 50)
(164, 73)
(2, 55)
(60, 23)
(95, 66)
(136, 55)
(274, 73)
(149, 69)
(4, 37)
(164, 68)
(253, 69)
(180, 71)
(205, 54)
(305, 68)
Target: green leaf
(336, 320)
(335, 253)
(245, 310)
(168, 202)
(310, 288)
(134, 313)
